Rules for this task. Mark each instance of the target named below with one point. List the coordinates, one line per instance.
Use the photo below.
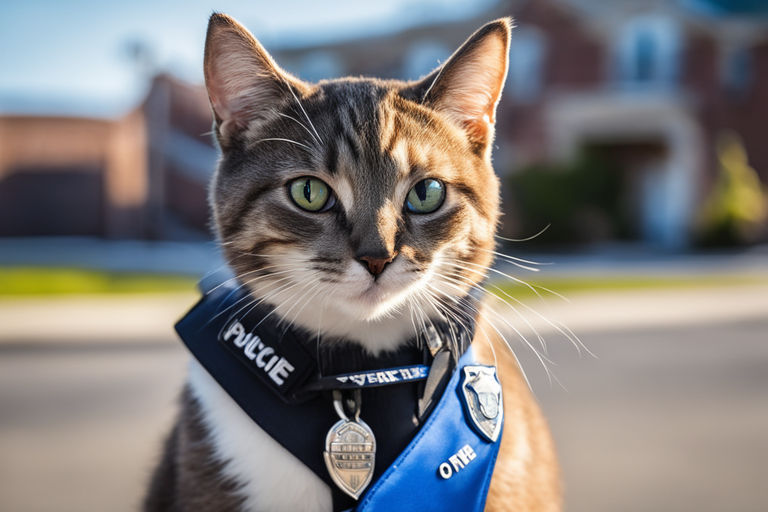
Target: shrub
(737, 207)
(579, 200)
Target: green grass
(33, 281)
(566, 285)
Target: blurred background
(633, 131)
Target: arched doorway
(656, 143)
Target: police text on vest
(264, 356)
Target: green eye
(426, 196)
(310, 194)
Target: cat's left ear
(467, 87)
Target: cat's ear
(467, 87)
(245, 85)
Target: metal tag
(482, 396)
(434, 341)
(350, 454)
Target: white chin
(372, 304)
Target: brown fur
(526, 477)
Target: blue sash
(414, 482)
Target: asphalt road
(671, 418)
(666, 419)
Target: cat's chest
(270, 477)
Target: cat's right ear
(245, 85)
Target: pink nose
(376, 265)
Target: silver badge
(350, 451)
(482, 396)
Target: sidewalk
(87, 319)
(632, 309)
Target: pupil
(421, 190)
(308, 191)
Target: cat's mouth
(375, 300)
(387, 292)
(376, 292)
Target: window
(736, 70)
(648, 52)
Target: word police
(457, 461)
(263, 356)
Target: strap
(364, 379)
(441, 368)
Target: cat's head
(357, 206)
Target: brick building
(649, 83)
(143, 175)
(73, 176)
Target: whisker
(300, 124)
(519, 262)
(541, 340)
(525, 239)
(489, 269)
(559, 327)
(307, 298)
(246, 297)
(519, 335)
(241, 276)
(446, 313)
(249, 296)
(531, 287)
(302, 110)
(318, 289)
(464, 280)
(311, 150)
(268, 297)
(562, 329)
(506, 342)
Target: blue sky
(70, 56)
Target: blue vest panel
(446, 467)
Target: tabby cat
(356, 207)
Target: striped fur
(371, 141)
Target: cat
(352, 206)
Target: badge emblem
(482, 397)
(350, 453)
